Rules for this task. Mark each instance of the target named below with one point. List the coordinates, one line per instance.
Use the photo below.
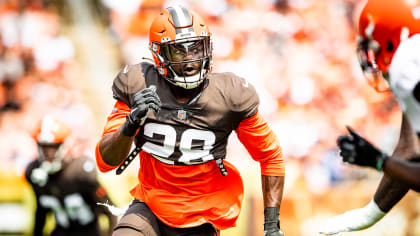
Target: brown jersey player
(179, 116)
(67, 187)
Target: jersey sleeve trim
(114, 121)
(117, 118)
(102, 166)
(262, 144)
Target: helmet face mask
(49, 151)
(181, 46)
(187, 61)
(50, 156)
(367, 52)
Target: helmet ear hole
(389, 46)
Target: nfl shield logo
(182, 115)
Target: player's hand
(271, 222)
(354, 149)
(143, 101)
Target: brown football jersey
(194, 132)
(71, 193)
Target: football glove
(143, 101)
(271, 222)
(354, 149)
(353, 220)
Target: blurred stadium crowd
(299, 54)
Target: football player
(179, 116)
(67, 187)
(388, 46)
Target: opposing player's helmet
(181, 46)
(383, 24)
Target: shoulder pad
(130, 80)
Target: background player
(66, 186)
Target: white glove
(39, 176)
(353, 220)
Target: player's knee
(132, 224)
(125, 231)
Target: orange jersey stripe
(114, 121)
(117, 118)
(262, 144)
(102, 166)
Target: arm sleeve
(114, 121)
(40, 212)
(40, 216)
(262, 144)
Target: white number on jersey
(187, 137)
(75, 208)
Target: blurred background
(60, 57)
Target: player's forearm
(406, 172)
(114, 147)
(272, 187)
(389, 191)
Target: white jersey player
(389, 51)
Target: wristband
(129, 128)
(381, 161)
(271, 218)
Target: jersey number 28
(185, 144)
